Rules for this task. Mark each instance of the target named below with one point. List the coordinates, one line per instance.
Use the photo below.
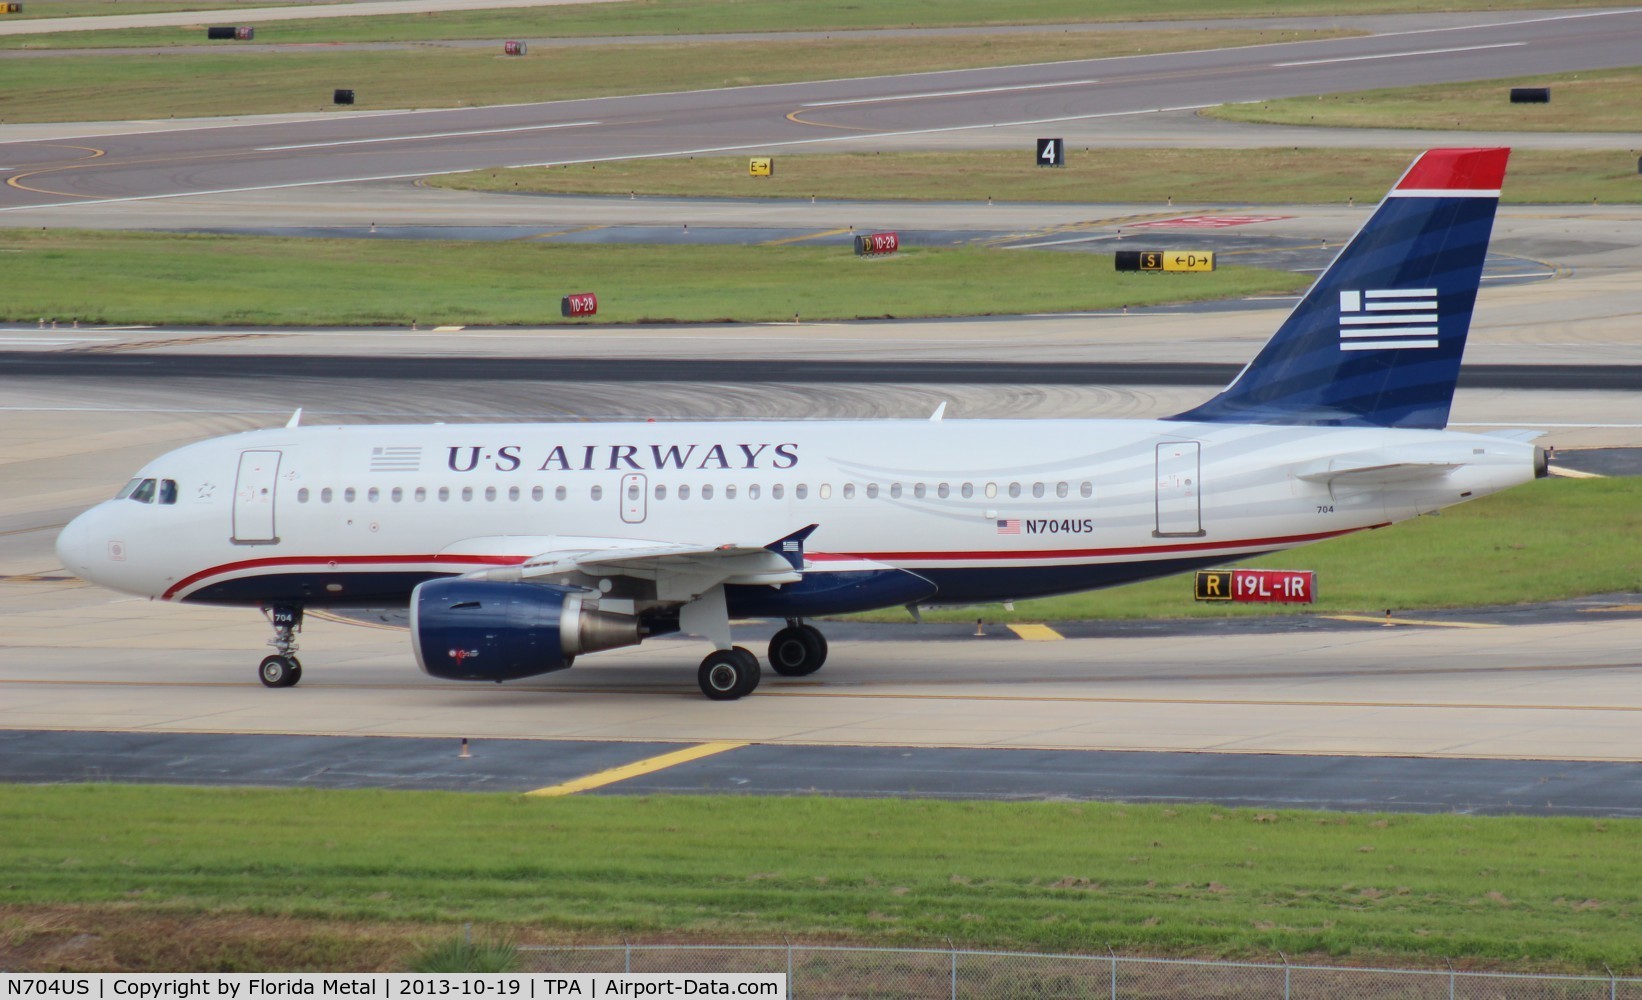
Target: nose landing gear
(282, 669)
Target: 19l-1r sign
(1257, 586)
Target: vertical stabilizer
(1377, 340)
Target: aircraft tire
(724, 674)
(279, 671)
(797, 651)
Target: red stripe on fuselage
(986, 556)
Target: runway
(155, 162)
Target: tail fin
(1377, 340)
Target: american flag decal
(1012, 526)
(789, 546)
(396, 459)
(1381, 318)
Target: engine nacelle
(482, 630)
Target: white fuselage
(989, 510)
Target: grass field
(1547, 540)
(73, 88)
(1547, 893)
(121, 277)
(1230, 176)
(1593, 101)
(674, 17)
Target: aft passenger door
(634, 504)
(1179, 490)
(254, 498)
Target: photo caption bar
(388, 986)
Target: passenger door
(1179, 490)
(254, 498)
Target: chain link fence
(815, 972)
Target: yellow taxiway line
(1409, 621)
(1035, 633)
(649, 765)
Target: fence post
(1450, 977)
(627, 957)
(788, 941)
(1285, 959)
(1613, 984)
(953, 950)
(1113, 955)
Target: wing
(680, 571)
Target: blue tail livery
(1377, 340)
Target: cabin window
(918, 490)
(558, 493)
(1061, 490)
(967, 490)
(661, 492)
(325, 495)
(513, 492)
(348, 495)
(168, 491)
(467, 494)
(1037, 490)
(1014, 490)
(444, 494)
(895, 491)
(398, 494)
(421, 494)
(943, 491)
(597, 493)
(373, 494)
(991, 491)
(302, 495)
(777, 491)
(849, 491)
(1086, 490)
(490, 493)
(801, 491)
(144, 493)
(752, 492)
(537, 493)
(729, 491)
(707, 491)
(825, 492)
(684, 492)
(872, 491)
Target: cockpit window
(128, 489)
(168, 491)
(144, 493)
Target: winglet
(940, 411)
(791, 548)
(296, 419)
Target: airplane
(517, 548)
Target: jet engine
(482, 630)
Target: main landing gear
(282, 670)
(796, 651)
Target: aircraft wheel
(279, 671)
(728, 674)
(797, 651)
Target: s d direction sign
(1257, 586)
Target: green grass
(1547, 893)
(72, 88)
(1234, 176)
(466, 955)
(1592, 101)
(1547, 540)
(121, 277)
(673, 17)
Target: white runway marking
(1400, 55)
(949, 93)
(434, 135)
(613, 159)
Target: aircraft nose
(71, 545)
